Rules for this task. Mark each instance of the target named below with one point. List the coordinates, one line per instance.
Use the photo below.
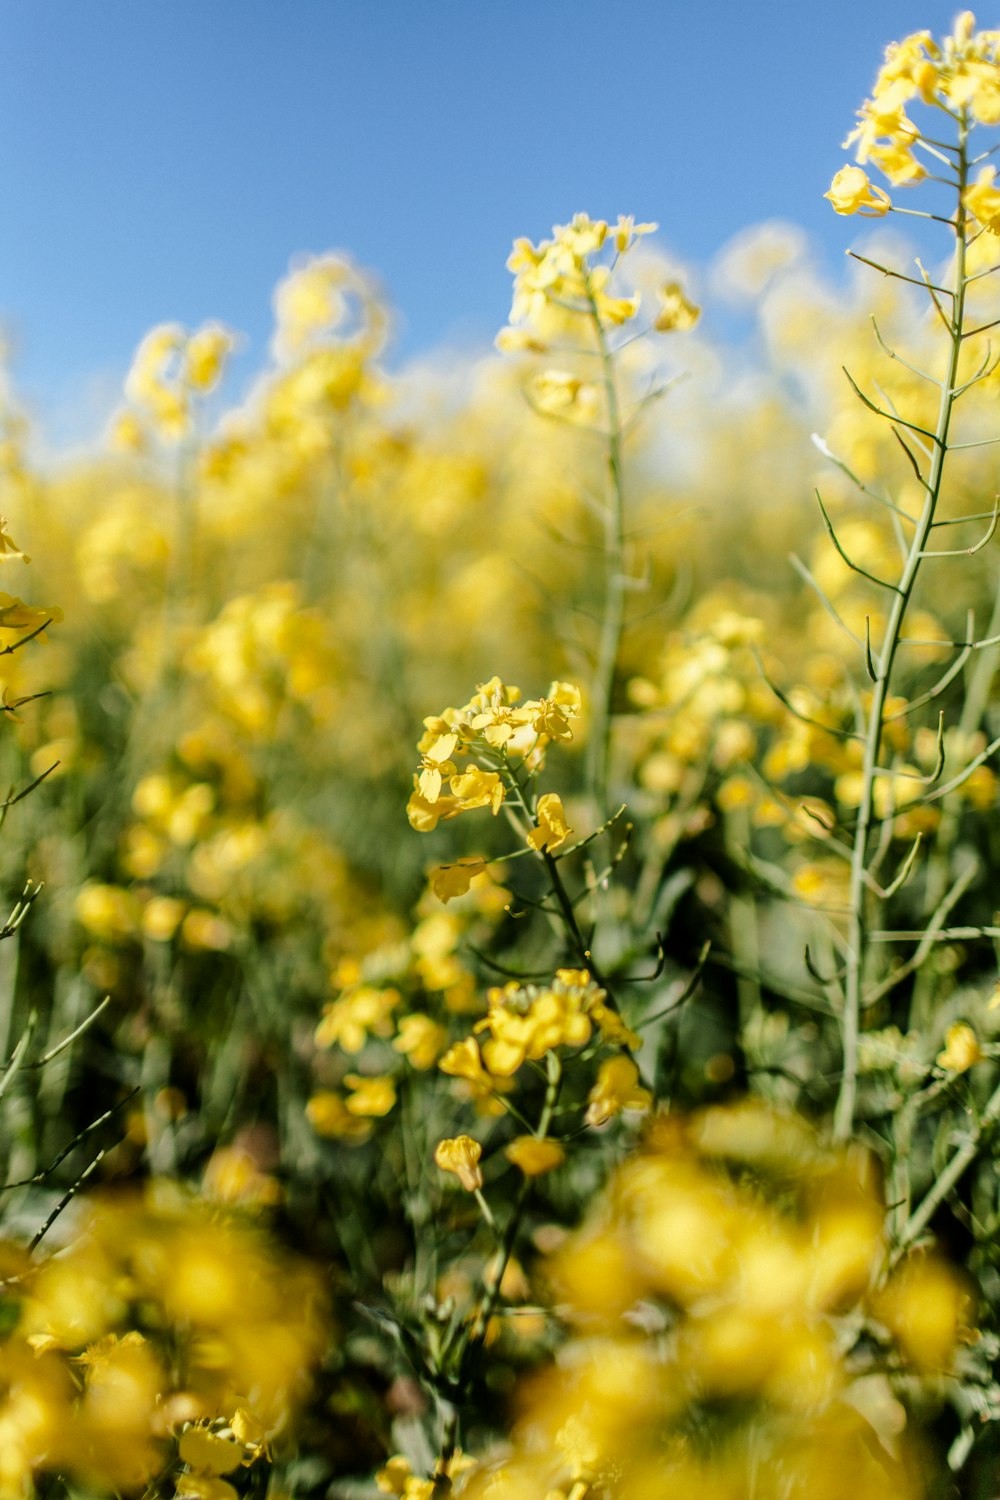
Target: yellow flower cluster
(734, 1267)
(562, 273)
(170, 367)
(961, 76)
(163, 1338)
(525, 1021)
(565, 298)
(493, 727)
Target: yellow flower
(463, 1060)
(16, 615)
(898, 163)
(209, 1453)
(8, 546)
(425, 814)
(161, 918)
(676, 314)
(370, 1096)
(362, 1011)
(961, 1049)
(460, 1154)
(518, 341)
(617, 1088)
(448, 881)
(550, 716)
(526, 1021)
(627, 231)
(534, 1156)
(982, 200)
(475, 788)
(328, 1116)
(205, 354)
(851, 192)
(924, 1306)
(421, 1040)
(552, 829)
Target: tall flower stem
(859, 898)
(613, 612)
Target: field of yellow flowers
(500, 994)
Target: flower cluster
(524, 1021)
(469, 748)
(960, 76)
(170, 368)
(164, 1338)
(730, 1300)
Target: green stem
(491, 1290)
(613, 619)
(858, 890)
(959, 1164)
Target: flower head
(851, 192)
(460, 1154)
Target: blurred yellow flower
(370, 1097)
(676, 313)
(617, 1088)
(449, 881)
(982, 200)
(961, 1050)
(533, 1156)
(421, 1040)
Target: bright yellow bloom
(475, 788)
(463, 1060)
(8, 546)
(449, 881)
(16, 615)
(460, 1155)
(552, 829)
(560, 393)
(851, 192)
(526, 1021)
(551, 716)
(617, 1088)
(233, 1175)
(961, 1050)
(534, 1156)
(424, 814)
(982, 200)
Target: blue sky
(163, 159)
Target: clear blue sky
(163, 159)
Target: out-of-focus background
(165, 162)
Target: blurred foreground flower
(736, 1330)
(193, 1337)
